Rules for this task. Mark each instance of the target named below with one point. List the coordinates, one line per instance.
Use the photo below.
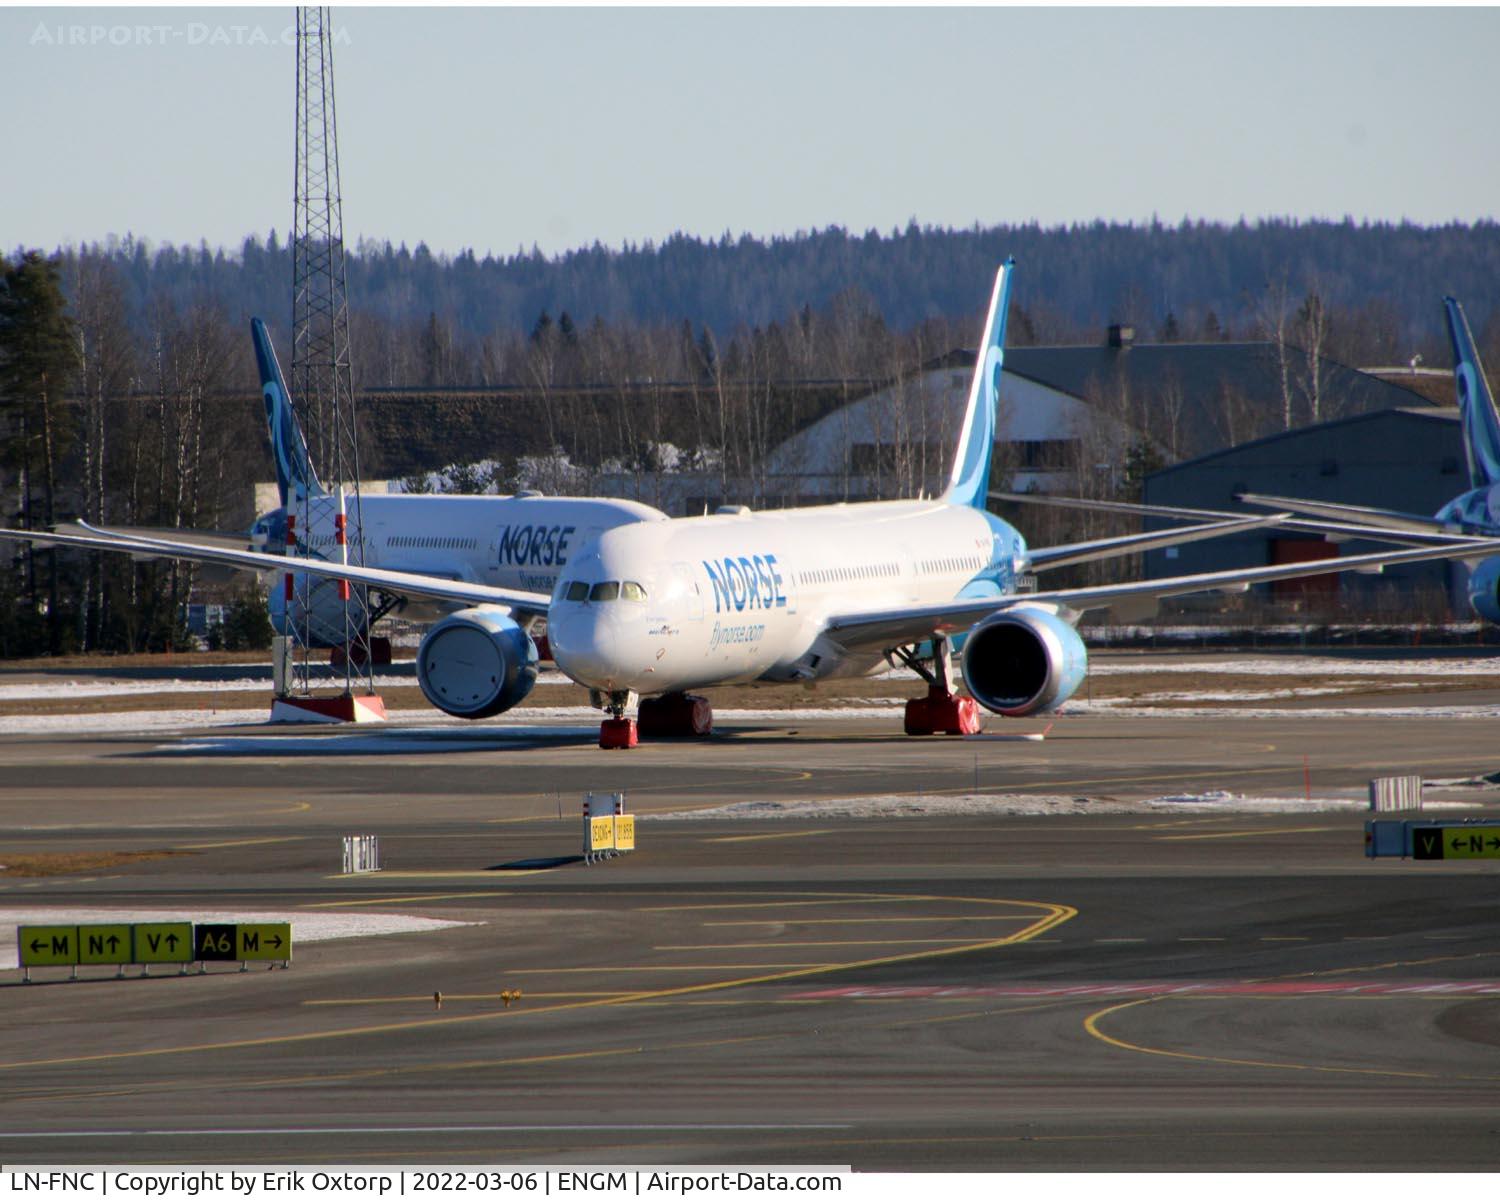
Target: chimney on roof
(1121, 337)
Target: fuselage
(519, 542)
(666, 606)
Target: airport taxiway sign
(257, 943)
(164, 942)
(1455, 842)
(214, 943)
(47, 945)
(104, 944)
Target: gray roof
(1199, 369)
(1425, 413)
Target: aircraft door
(908, 563)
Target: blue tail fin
(294, 472)
(1476, 407)
(970, 482)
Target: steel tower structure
(322, 392)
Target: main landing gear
(674, 715)
(942, 710)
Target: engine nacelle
(1024, 660)
(476, 663)
(316, 612)
(1484, 589)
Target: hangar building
(1408, 458)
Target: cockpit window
(630, 590)
(605, 591)
(578, 590)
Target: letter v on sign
(164, 942)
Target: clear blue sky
(499, 128)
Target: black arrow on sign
(171, 941)
(276, 941)
(37, 944)
(114, 942)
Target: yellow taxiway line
(1050, 916)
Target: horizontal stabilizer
(1081, 552)
(1334, 530)
(1381, 518)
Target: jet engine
(317, 612)
(1484, 589)
(476, 663)
(1023, 660)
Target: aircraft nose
(585, 645)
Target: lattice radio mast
(326, 525)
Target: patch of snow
(1121, 707)
(543, 721)
(165, 687)
(1217, 697)
(1467, 665)
(379, 740)
(1006, 804)
(125, 722)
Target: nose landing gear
(617, 731)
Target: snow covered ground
(544, 722)
(986, 804)
(72, 689)
(1132, 707)
(1273, 665)
(1322, 676)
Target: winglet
(969, 483)
(1481, 424)
(294, 472)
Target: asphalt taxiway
(1105, 988)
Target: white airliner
(653, 608)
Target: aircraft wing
(216, 539)
(402, 583)
(1431, 532)
(1136, 600)
(1384, 518)
(1053, 557)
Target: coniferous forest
(1190, 281)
